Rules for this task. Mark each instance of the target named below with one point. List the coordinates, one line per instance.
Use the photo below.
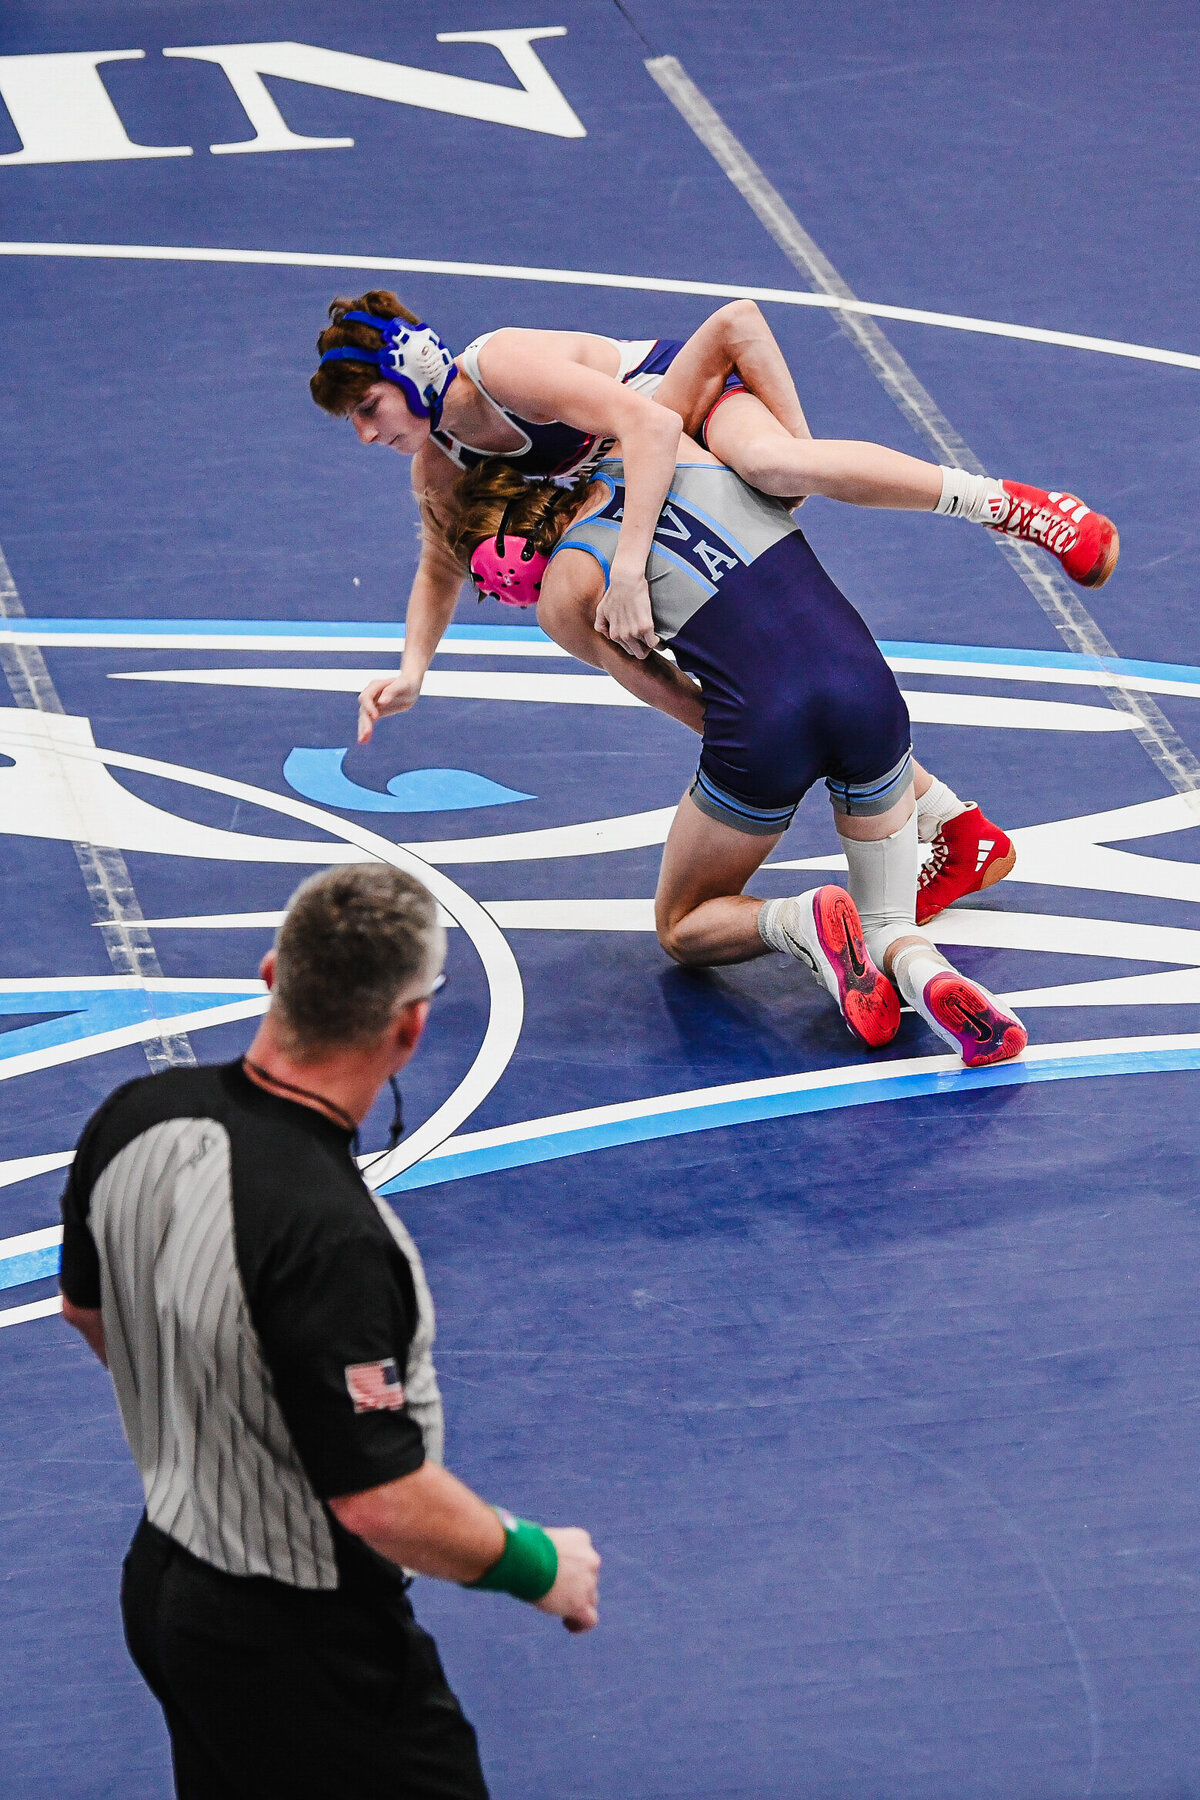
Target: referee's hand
(575, 1596)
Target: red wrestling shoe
(1085, 542)
(969, 853)
(823, 930)
(971, 1020)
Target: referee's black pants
(275, 1693)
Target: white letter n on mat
(537, 105)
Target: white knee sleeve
(883, 886)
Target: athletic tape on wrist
(528, 1565)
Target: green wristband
(528, 1565)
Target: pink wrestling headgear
(508, 568)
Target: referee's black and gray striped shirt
(267, 1321)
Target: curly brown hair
(541, 510)
(338, 387)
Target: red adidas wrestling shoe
(969, 853)
(1085, 542)
(971, 1020)
(823, 930)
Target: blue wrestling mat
(874, 1380)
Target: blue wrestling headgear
(413, 357)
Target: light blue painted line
(89, 1012)
(357, 628)
(525, 632)
(680, 1121)
(1042, 659)
(330, 628)
(169, 628)
(32, 1265)
(36, 1265)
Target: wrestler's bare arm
(520, 374)
(431, 601)
(571, 593)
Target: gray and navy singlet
(795, 687)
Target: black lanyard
(395, 1129)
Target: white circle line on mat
(651, 284)
(505, 989)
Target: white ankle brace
(883, 886)
(980, 498)
(768, 924)
(781, 925)
(936, 807)
(914, 968)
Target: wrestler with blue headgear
(550, 403)
(412, 357)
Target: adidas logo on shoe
(968, 853)
(1073, 507)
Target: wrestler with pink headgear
(554, 403)
(507, 567)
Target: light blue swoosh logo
(319, 776)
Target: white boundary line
(36, 1309)
(98, 1043)
(25, 1241)
(651, 284)
(506, 992)
(24, 1168)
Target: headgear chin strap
(413, 357)
(508, 567)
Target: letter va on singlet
(62, 110)
(678, 529)
(685, 540)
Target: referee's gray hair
(352, 941)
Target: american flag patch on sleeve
(375, 1386)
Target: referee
(269, 1332)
